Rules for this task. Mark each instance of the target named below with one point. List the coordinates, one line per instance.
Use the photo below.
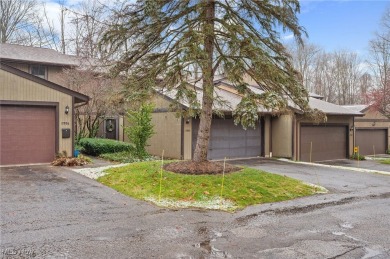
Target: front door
(110, 128)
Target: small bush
(125, 157)
(356, 156)
(63, 160)
(78, 147)
(140, 129)
(97, 146)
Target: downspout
(73, 116)
(270, 137)
(354, 136)
(182, 138)
(297, 146)
(293, 126)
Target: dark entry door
(110, 127)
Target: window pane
(38, 70)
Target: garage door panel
(371, 141)
(229, 140)
(320, 143)
(27, 134)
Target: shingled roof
(19, 53)
(231, 99)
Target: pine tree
(171, 39)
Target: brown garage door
(230, 141)
(370, 140)
(325, 143)
(27, 134)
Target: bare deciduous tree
(334, 75)
(380, 64)
(106, 99)
(15, 19)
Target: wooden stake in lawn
(358, 157)
(373, 147)
(161, 170)
(223, 179)
(311, 149)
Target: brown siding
(15, 88)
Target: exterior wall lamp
(66, 109)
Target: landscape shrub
(97, 146)
(125, 157)
(356, 156)
(140, 128)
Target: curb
(363, 170)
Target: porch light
(66, 109)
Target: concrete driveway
(50, 212)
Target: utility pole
(63, 9)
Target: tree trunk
(202, 142)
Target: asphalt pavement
(52, 212)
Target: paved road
(50, 212)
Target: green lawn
(241, 189)
(385, 161)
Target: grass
(124, 157)
(385, 161)
(246, 187)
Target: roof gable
(79, 97)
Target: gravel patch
(213, 203)
(95, 173)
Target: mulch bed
(207, 167)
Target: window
(39, 71)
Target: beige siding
(282, 136)
(247, 79)
(54, 74)
(161, 102)
(167, 137)
(121, 132)
(15, 88)
(21, 66)
(267, 136)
